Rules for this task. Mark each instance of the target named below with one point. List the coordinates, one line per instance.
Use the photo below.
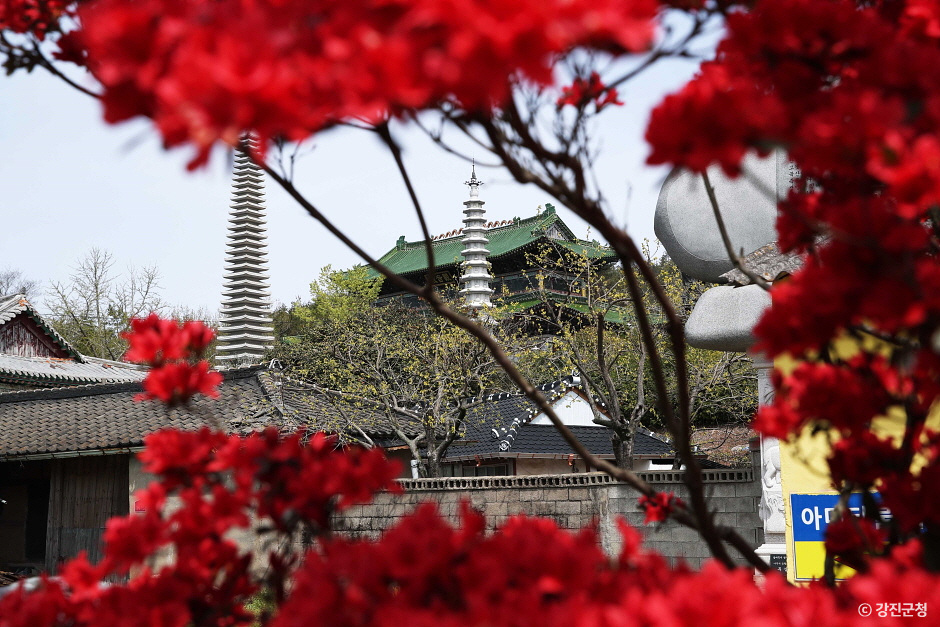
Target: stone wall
(573, 501)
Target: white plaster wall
(545, 466)
(572, 409)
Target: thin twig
(701, 520)
(386, 136)
(733, 256)
(630, 254)
(52, 69)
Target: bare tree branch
(732, 255)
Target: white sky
(71, 182)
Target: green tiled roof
(505, 239)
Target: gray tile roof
(53, 371)
(533, 440)
(96, 418)
(42, 371)
(105, 417)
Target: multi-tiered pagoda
(498, 257)
(476, 278)
(245, 330)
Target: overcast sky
(71, 182)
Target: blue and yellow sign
(810, 515)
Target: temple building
(485, 261)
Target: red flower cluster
(531, 573)
(207, 71)
(659, 506)
(864, 458)
(174, 351)
(424, 572)
(211, 484)
(155, 340)
(834, 394)
(847, 89)
(421, 572)
(582, 92)
(38, 17)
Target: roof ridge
(566, 382)
(91, 389)
(112, 362)
(96, 389)
(542, 219)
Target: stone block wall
(573, 501)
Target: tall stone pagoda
(476, 278)
(245, 329)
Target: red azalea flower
(198, 336)
(154, 340)
(659, 506)
(581, 92)
(175, 383)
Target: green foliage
(587, 321)
(722, 386)
(338, 297)
(405, 370)
(262, 605)
(397, 368)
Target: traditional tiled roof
(46, 371)
(53, 371)
(768, 263)
(489, 423)
(105, 417)
(505, 238)
(95, 419)
(15, 304)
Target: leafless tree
(96, 304)
(15, 282)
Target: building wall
(572, 409)
(573, 501)
(84, 493)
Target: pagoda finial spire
(474, 182)
(245, 329)
(476, 276)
